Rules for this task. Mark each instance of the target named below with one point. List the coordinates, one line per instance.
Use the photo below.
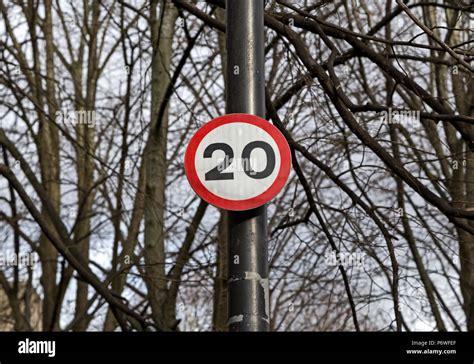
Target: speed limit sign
(237, 162)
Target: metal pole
(247, 230)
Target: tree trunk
(162, 30)
(49, 161)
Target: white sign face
(235, 161)
(237, 176)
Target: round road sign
(237, 162)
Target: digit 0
(270, 160)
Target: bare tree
(373, 231)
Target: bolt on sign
(237, 162)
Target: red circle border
(238, 205)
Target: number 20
(217, 173)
